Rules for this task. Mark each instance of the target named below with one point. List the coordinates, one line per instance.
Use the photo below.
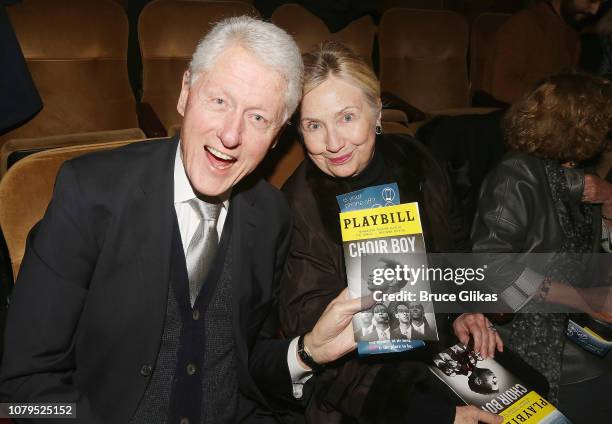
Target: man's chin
(212, 190)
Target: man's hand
(486, 339)
(332, 336)
(473, 415)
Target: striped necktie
(203, 245)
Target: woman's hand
(597, 190)
(594, 301)
(473, 415)
(597, 302)
(486, 339)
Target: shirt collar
(183, 191)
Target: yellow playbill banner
(531, 408)
(386, 221)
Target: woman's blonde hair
(335, 59)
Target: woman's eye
(348, 117)
(313, 126)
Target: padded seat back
(423, 57)
(16, 149)
(383, 5)
(76, 51)
(482, 36)
(169, 31)
(26, 189)
(309, 30)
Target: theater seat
(76, 51)
(423, 58)
(382, 5)
(25, 191)
(16, 149)
(284, 162)
(168, 32)
(309, 30)
(482, 35)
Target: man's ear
(182, 101)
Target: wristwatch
(306, 358)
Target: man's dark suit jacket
(88, 308)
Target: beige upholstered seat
(309, 30)
(423, 57)
(76, 51)
(169, 31)
(283, 164)
(25, 191)
(482, 35)
(382, 5)
(14, 149)
(471, 9)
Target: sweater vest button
(146, 370)
(191, 369)
(195, 314)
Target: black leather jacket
(516, 214)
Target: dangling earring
(378, 130)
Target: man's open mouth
(219, 159)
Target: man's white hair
(267, 42)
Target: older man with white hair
(148, 291)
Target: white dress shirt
(188, 221)
(406, 330)
(384, 334)
(365, 331)
(419, 329)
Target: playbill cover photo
(385, 257)
(488, 385)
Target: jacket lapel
(245, 221)
(152, 219)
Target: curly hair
(567, 117)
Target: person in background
(596, 46)
(538, 200)
(19, 102)
(340, 123)
(533, 44)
